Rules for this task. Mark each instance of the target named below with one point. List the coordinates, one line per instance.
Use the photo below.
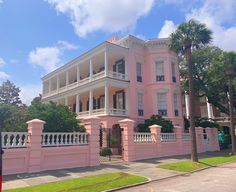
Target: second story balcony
(106, 61)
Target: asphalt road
(216, 179)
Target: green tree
(58, 118)
(188, 36)
(9, 94)
(167, 126)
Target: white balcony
(102, 112)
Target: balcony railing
(86, 80)
(102, 111)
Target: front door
(116, 140)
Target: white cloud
(2, 62)
(4, 75)
(28, 92)
(220, 17)
(167, 29)
(104, 15)
(50, 57)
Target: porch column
(66, 101)
(127, 101)
(67, 78)
(107, 107)
(90, 102)
(78, 74)
(126, 68)
(50, 85)
(186, 96)
(77, 103)
(90, 69)
(58, 82)
(106, 63)
(209, 110)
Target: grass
(188, 166)
(86, 184)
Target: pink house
(129, 78)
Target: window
(101, 102)
(162, 104)
(119, 67)
(139, 72)
(173, 67)
(203, 110)
(176, 111)
(140, 104)
(119, 100)
(160, 71)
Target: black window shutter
(94, 103)
(123, 66)
(114, 101)
(123, 98)
(80, 106)
(114, 68)
(98, 103)
(87, 105)
(74, 107)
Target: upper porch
(105, 60)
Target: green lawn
(188, 166)
(86, 184)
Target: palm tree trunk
(194, 155)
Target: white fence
(14, 139)
(143, 138)
(63, 139)
(168, 137)
(186, 137)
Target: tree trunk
(194, 155)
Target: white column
(78, 74)
(50, 85)
(66, 101)
(67, 78)
(107, 107)
(187, 104)
(106, 63)
(77, 103)
(126, 67)
(58, 82)
(90, 102)
(90, 69)
(127, 101)
(209, 110)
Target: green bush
(167, 126)
(105, 151)
(201, 122)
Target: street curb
(129, 186)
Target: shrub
(201, 122)
(167, 126)
(105, 151)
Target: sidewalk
(146, 168)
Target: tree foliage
(9, 94)
(167, 126)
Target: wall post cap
(126, 121)
(154, 126)
(36, 121)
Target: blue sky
(37, 37)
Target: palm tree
(188, 36)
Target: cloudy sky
(37, 37)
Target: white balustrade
(98, 75)
(84, 81)
(14, 139)
(83, 113)
(99, 111)
(64, 139)
(168, 137)
(143, 138)
(72, 85)
(121, 112)
(116, 75)
(186, 137)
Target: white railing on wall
(64, 139)
(14, 139)
(168, 137)
(143, 138)
(116, 75)
(122, 112)
(186, 137)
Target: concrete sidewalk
(146, 168)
